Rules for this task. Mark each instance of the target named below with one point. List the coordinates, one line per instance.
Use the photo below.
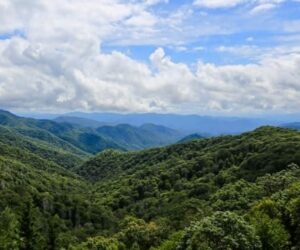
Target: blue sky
(193, 56)
(238, 28)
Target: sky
(165, 56)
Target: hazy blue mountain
(80, 122)
(161, 130)
(189, 124)
(184, 123)
(145, 136)
(283, 118)
(124, 136)
(293, 125)
(46, 116)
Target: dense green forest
(229, 192)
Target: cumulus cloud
(271, 84)
(36, 77)
(58, 64)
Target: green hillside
(60, 153)
(178, 184)
(80, 141)
(42, 206)
(231, 192)
(134, 138)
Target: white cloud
(270, 85)
(218, 3)
(258, 53)
(144, 19)
(59, 64)
(259, 5)
(262, 8)
(39, 77)
(154, 2)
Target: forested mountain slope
(145, 136)
(62, 135)
(42, 205)
(180, 183)
(191, 137)
(231, 192)
(83, 140)
(51, 150)
(265, 150)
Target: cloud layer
(54, 61)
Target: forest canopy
(229, 192)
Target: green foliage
(171, 243)
(242, 192)
(271, 232)
(222, 230)
(100, 243)
(191, 137)
(9, 230)
(51, 207)
(236, 196)
(137, 234)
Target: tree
(235, 196)
(136, 232)
(171, 243)
(271, 232)
(34, 228)
(221, 231)
(9, 230)
(293, 208)
(100, 243)
(56, 227)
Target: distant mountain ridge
(293, 125)
(85, 140)
(145, 136)
(81, 122)
(187, 124)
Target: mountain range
(186, 124)
(88, 139)
(293, 125)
